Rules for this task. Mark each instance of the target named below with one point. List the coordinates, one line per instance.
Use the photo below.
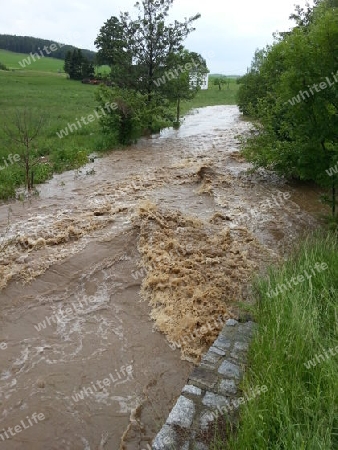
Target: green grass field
(49, 65)
(213, 96)
(60, 101)
(43, 87)
(11, 61)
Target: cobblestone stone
(211, 386)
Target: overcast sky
(227, 34)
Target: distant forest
(28, 44)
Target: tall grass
(300, 409)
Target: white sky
(227, 34)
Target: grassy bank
(61, 102)
(299, 325)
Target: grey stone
(208, 365)
(241, 346)
(182, 413)
(240, 356)
(200, 446)
(231, 323)
(222, 343)
(206, 419)
(211, 357)
(191, 389)
(229, 369)
(166, 439)
(227, 387)
(213, 400)
(220, 384)
(204, 377)
(217, 351)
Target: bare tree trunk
(28, 181)
(334, 198)
(178, 110)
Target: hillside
(12, 61)
(29, 44)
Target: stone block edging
(211, 389)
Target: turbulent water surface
(110, 275)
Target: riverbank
(295, 354)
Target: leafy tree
(78, 66)
(186, 79)
(87, 69)
(219, 81)
(68, 62)
(292, 89)
(252, 86)
(127, 119)
(113, 51)
(141, 48)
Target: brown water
(176, 213)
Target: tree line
(291, 90)
(29, 44)
(77, 65)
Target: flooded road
(117, 277)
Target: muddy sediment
(136, 263)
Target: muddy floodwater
(117, 277)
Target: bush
(126, 121)
(67, 158)
(7, 191)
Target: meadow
(60, 102)
(11, 61)
(43, 87)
